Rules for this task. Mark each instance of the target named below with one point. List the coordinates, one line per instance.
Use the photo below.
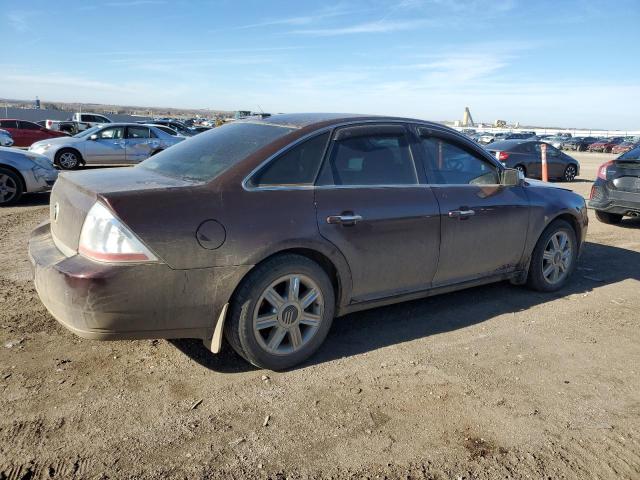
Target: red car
(605, 145)
(624, 147)
(25, 133)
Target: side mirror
(511, 177)
(93, 137)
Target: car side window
(527, 148)
(451, 164)
(552, 151)
(138, 132)
(8, 124)
(297, 166)
(370, 158)
(113, 133)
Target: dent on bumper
(112, 302)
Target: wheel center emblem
(289, 315)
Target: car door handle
(462, 214)
(344, 219)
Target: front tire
(608, 218)
(554, 257)
(68, 159)
(10, 187)
(281, 313)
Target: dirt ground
(492, 382)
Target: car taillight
(502, 156)
(104, 238)
(602, 170)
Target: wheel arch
(566, 215)
(17, 172)
(335, 267)
(74, 149)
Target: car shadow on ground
(629, 222)
(33, 200)
(381, 327)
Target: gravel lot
(492, 382)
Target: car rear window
(631, 155)
(205, 156)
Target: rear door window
(138, 132)
(369, 155)
(8, 124)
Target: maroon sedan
(265, 230)
(25, 133)
(605, 145)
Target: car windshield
(632, 155)
(88, 131)
(205, 156)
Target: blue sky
(555, 63)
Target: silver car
(116, 143)
(6, 140)
(23, 172)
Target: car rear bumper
(114, 302)
(614, 201)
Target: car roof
(122, 124)
(303, 120)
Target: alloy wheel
(288, 314)
(68, 160)
(570, 173)
(557, 257)
(8, 188)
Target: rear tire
(570, 173)
(608, 218)
(554, 257)
(522, 169)
(10, 187)
(68, 159)
(260, 325)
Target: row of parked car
(22, 133)
(98, 140)
(563, 141)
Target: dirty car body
(362, 198)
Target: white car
(23, 172)
(115, 143)
(6, 140)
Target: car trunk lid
(626, 176)
(75, 192)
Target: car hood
(540, 184)
(58, 141)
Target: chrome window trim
(284, 149)
(320, 131)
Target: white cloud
(20, 21)
(381, 26)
